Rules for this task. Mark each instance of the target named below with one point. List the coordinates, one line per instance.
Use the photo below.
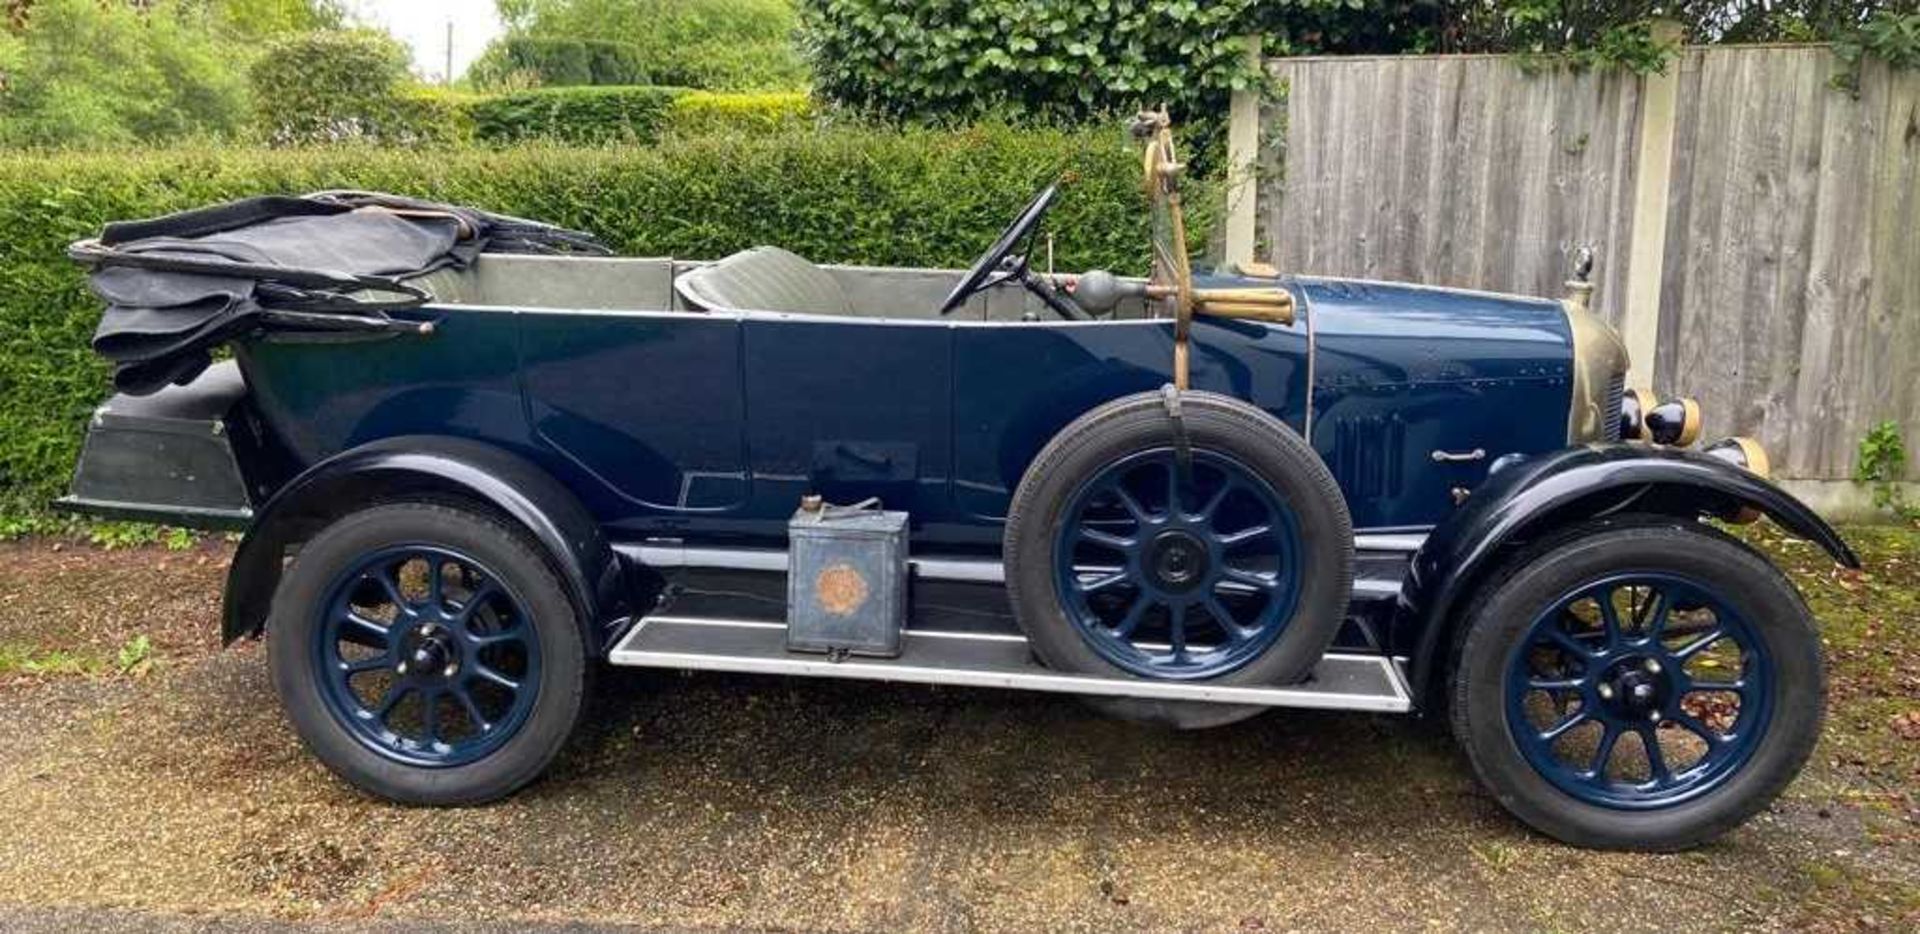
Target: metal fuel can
(846, 579)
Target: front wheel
(1638, 684)
(427, 654)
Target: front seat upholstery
(765, 278)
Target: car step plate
(1339, 681)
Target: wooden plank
(1894, 299)
(1777, 392)
(1839, 276)
(1904, 254)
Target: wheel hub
(1635, 688)
(430, 653)
(1178, 561)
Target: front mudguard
(430, 466)
(1534, 496)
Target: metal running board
(1338, 682)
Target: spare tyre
(1186, 536)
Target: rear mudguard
(1534, 496)
(430, 466)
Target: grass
(19, 524)
(134, 658)
(28, 660)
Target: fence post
(1652, 179)
(1243, 152)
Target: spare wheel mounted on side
(1182, 536)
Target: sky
(422, 25)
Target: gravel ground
(172, 796)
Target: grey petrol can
(846, 580)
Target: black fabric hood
(177, 286)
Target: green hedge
(698, 112)
(592, 115)
(841, 195)
(573, 115)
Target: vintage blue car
(470, 473)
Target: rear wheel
(1228, 558)
(427, 654)
(1638, 684)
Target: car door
(848, 408)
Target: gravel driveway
(172, 795)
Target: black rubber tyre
(1214, 423)
(1527, 585)
(298, 608)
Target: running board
(1339, 681)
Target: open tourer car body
(1187, 498)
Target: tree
(719, 44)
(84, 73)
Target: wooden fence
(1757, 232)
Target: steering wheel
(1000, 264)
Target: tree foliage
(84, 73)
(114, 72)
(715, 44)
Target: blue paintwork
(712, 426)
(483, 636)
(1606, 667)
(1401, 371)
(1198, 565)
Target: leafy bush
(935, 58)
(713, 44)
(572, 115)
(762, 65)
(330, 86)
(697, 112)
(91, 74)
(845, 194)
(549, 62)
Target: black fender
(1529, 497)
(429, 465)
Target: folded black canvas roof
(178, 286)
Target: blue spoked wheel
(431, 659)
(1639, 691)
(1178, 568)
(1638, 682)
(427, 653)
(1227, 558)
